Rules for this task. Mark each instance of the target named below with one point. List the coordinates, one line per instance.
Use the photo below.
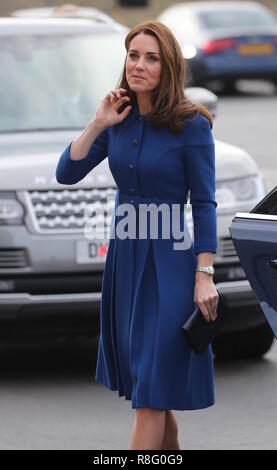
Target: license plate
(90, 251)
(255, 49)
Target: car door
(254, 236)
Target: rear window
(239, 18)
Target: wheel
(275, 83)
(247, 344)
(229, 87)
(191, 80)
(195, 76)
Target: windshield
(56, 82)
(239, 18)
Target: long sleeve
(200, 171)
(70, 171)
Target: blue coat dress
(148, 285)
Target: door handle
(273, 263)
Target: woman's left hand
(206, 295)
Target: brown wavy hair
(170, 106)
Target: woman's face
(143, 63)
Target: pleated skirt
(147, 295)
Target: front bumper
(28, 315)
(14, 305)
(241, 308)
(80, 312)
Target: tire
(195, 77)
(230, 87)
(275, 83)
(246, 344)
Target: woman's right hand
(107, 115)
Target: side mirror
(203, 96)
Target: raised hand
(107, 113)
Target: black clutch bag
(199, 332)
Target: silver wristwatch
(206, 269)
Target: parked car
(53, 78)
(69, 10)
(254, 236)
(225, 40)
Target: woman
(160, 147)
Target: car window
(57, 81)
(236, 18)
(180, 20)
(268, 205)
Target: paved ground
(247, 119)
(50, 401)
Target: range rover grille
(64, 210)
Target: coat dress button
(131, 166)
(132, 190)
(135, 142)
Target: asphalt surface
(48, 397)
(248, 119)
(49, 400)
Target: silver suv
(54, 72)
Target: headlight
(11, 211)
(233, 195)
(241, 193)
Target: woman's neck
(144, 103)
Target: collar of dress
(133, 115)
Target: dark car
(254, 236)
(225, 40)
